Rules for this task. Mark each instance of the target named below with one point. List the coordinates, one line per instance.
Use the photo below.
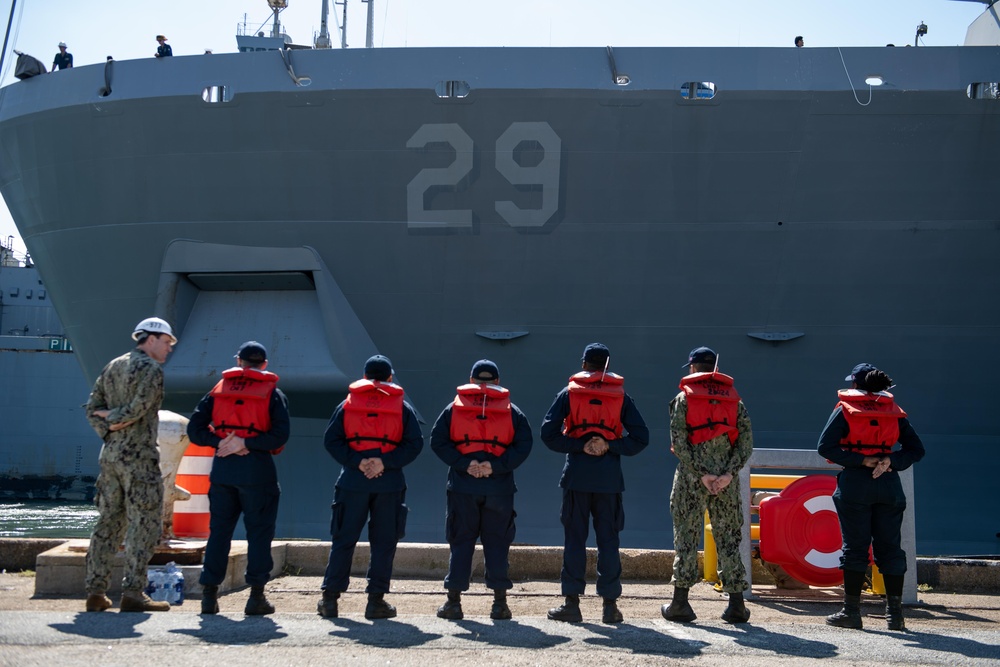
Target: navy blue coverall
(870, 510)
(480, 508)
(242, 484)
(355, 498)
(593, 486)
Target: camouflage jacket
(715, 456)
(131, 387)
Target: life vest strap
(587, 426)
(469, 446)
(237, 427)
(708, 424)
(385, 441)
(862, 446)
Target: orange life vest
(712, 406)
(872, 419)
(595, 405)
(241, 403)
(373, 415)
(481, 419)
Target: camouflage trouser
(688, 501)
(129, 500)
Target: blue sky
(126, 29)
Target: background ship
(47, 450)
(799, 210)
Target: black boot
(378, 608)
(452, 609)
(568, 612)
(611, 614)
(849, 616)
(327, 606)
(258, 605)
(679, 611)
(209, 599)
(500, 610)
(894, 612)
(737, 611)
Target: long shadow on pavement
(647, 641)
(103, 625)
(754, 636)
(508, 633)
(941, 611)
(218, 629)
(388, 633)
(970, 648)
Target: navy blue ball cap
(859, 372)
(378, 368)
(485, 370)
(596, 353)
(252, 351)
(701, 355)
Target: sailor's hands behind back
(372, 467)
(596, 446)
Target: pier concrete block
(19, 554)
(61, 570)
(960, 575)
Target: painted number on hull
(545, 174)
(449, 177)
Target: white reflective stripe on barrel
(195, 465)
(196, 505)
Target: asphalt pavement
(786, 628)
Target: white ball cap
(154, 325)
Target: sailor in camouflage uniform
(710, 434)
(123, 410)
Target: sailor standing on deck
(482, 437)
(63, 59)
(163, 50)
(245, 418)
(123, 410)
(860, 434)
(711, 436)
(594, 422)
(373, 434)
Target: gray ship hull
(787, 222)
(47, 449)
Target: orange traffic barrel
(191, 516)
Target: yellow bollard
(711, 557)
(878, 584)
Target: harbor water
(46, 519)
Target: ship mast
(276, 7)
(343, 25)
(369, 41)
(323, 40)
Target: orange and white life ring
(800, 530)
